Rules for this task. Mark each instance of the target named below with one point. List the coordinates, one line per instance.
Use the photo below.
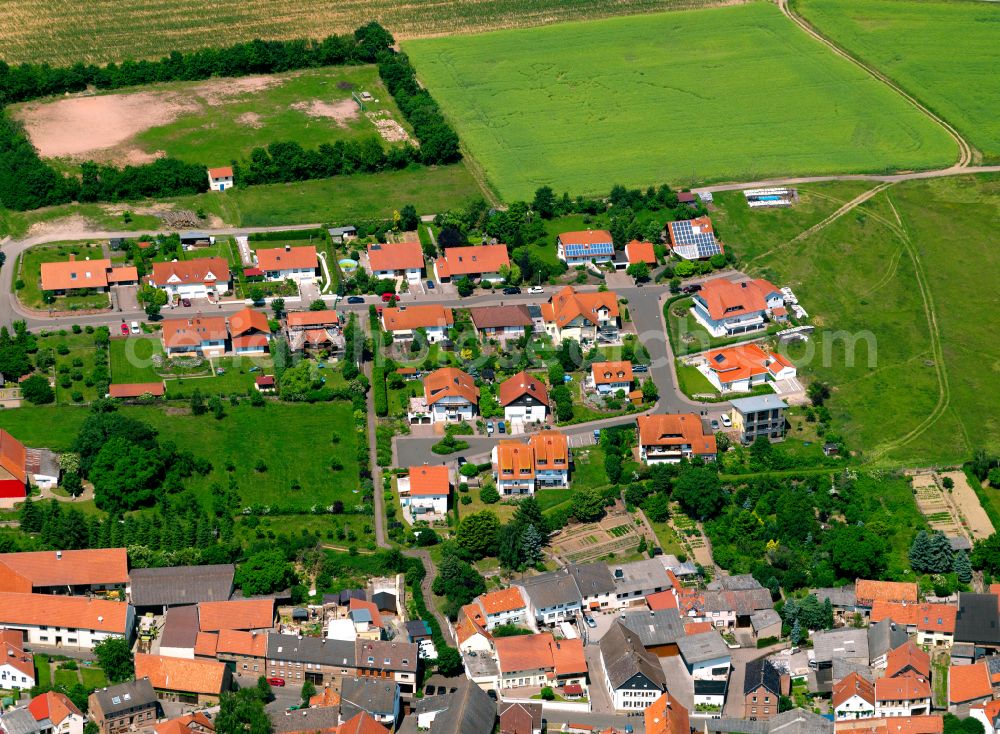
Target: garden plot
(957, 512)
(615, 534)
(941, 516)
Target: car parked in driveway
(727, 421)
(277, 682)
(186, 302)
(430, 285)
(715, 425)
(355, 299)
(135, 328)
(501, 427)
(386, 297)
(489, 428)
(591, 622)
(124, 329)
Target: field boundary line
(965, 149)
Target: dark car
(186, 302)
(430, 285)
(511, 291)
(693, 288)
(492, 694)
(355, 299)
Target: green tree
(36, 390)
(699, 492)
(856, 552)
(962, 567)
(152, 311)
(198, 403)
(509, 545)
(242, 712)
(639, 271)
(408, 218)
(544, 203)
(264, 689)
(993, 476)
(478, 533)
(684, 269)
(255, 293)
(308, 691)
(71, 483)
(587, 505)
(278, 307)
(458, 581)
(650, 393)
(449, 662)
(818, 392)
(265, 573)
(531, 545)
(489, 495)
(529, 512)
(657, 507)
(464, 286)
(115, 658)
(30, 516)
(318, 305)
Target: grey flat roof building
(978, 619)
(796, 721)
(758, 403)
(847, 643)
(177, 585)
(703, 647)
(841, 597)
(306, 720)
(592, 579)
(122, 697)
(376, 696)
(646, 576)
(469, 710)
(663, 627)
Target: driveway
(600, 699)
(126, 298)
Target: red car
(279, 682)
(124, 329)
(386, 297)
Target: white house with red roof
(17, 669)
(726, 307)
(221, 178)
(13, 467)
(288, 263)
(744, 367)
(504, 606)
(425, 490)
(479, 261)
(198, 278)
(54, 712)
(592, 245)
(396, 260)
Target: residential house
(521, 717)
(978, 622)
(221, 178)
(249, 615)
(376, 697)
(583, 317)
(693, 239)
(124, 707)
(907, 694)
(17, 669)
(521, 468)
(988, 714)
(728, 308)
(202, 277)
(65, 621)
(396, 260)
(155, 589)
(634, 677)
(467, 710)
(883, 638)
(203, 336)
(388, 659)
(524, 399)
(845, 644)
(451, 396)
(667, 715)
(908, 658)
(289, 263)
(760, 415)
(504, 606)
(765, 624)
(322, 662)
(404, 321)
(633, 582)
(200, 682)
(425, 489)
(595, 583)
(640, 252)
(72, 572)
(308, 721)
(250, 332)
(244, 652)
(13, 469)
(969, 685)
(340, 235)
(481, 262)
(744, 367)
(666, 438)
(853, 698)
(552, 459)
(367, 620)
(61, 278)
(707, 659)
(658, 630)
(500, 322)
(54, 712)
(867, 592)
(610, 377)
(928, 724)
(179, 636)
(590, 246)
(541, 660)
(194, 723)
(761, 689)
(842, 599)
(552, 597)
(310, 330)
(470, 630)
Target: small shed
(341, 234)
(300, 614)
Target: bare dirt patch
(342, 112)
(389, 129)
(250, 119)
(964, 496)
(219, 91)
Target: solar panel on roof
(691, 244)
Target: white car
(134, 326)
(536, 289)
(726, 420)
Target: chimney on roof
(72, 258)
(58, 555)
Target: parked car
(355, 299)
(186, 302)
(277, 682)
(640, 368)
(511, 291)
(597, 434)
(462, 461)
(727, 421)
(386, 297)
(135, 328)
(430, 285)
(489, 428)
(536, 289)
(501, 427)
(124, 329)
(715, 425)
(591, 622)
(693, 288)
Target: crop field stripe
(732, 93)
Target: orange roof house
(370, 607)
(551, 450)
(191, 334)
(54, 706)
(929, 724)
(475, 261)
(287, 258)
(311, 319)
(221, 172)
(467, 627)
(640, 252)
(13, 469)
(411, 318)
(520, 385)
(723, 298)
(540, 652)
(661, 600)
(501, 601)
(667, 715)
(672, 436)
(248, 321)
(611, 373)
(586, 237)
(73, 274)
(201, 677)
(240, 642)
(450, 382)
(206, 645)
(567, 307)
(968, 683)
(429, 481)
(63, 570)
(906, 687)
(908, 658)
(12, 649)
(241, 614)
(748, 362)
(194, 723)
(123, 274)
(203, 270)
(868, 592)
(361, 723)
(852, 685)
(395, 257)
(514, 461)
(77, 612)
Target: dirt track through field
(967, 502)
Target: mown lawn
(131, 359)
(569, 105)
(29, 271)
(73, 370)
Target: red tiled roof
(467, 627)
(362, 723)
(206, 644)
(969, 682)
(137, 389)
(450, 382)
(246, 321)
(608, 373)
(498, 317)
(186, 724)
(586, 237)
(65, 568)
(13, 457)
(53, 706)
(408, 318)
(326, 698)
(12, 649)
(240, 642)
(356, 604)
(242, 614)
(252, 340)
(522, 384)
(302, 319)
(429, 481)
(221, 172)
(744, 361)
(458, 261)
(74, 273)
(868, 592)
(502, 600)
(123, 274)
(725, 298)
(191, 332)
(180, 674)
(667, 715)
(551, 449)
(515, 460)
(207, 270)
(931, 724)
(77, 612)
(567, 305)
(853, 685)
(905, 657)
(540, 652)
(696, 628)
(396, 256)
(906, 687)
(675, 429)
(290, 258)
(637, 251)
(264, 381)
(662, 600)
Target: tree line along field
(929, 395)
(63, 32)
(732, 93)
(946, 54)
(216, 121)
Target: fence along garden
(28, 182)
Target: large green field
(944, 53)
(903, 309)
(701, 95)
